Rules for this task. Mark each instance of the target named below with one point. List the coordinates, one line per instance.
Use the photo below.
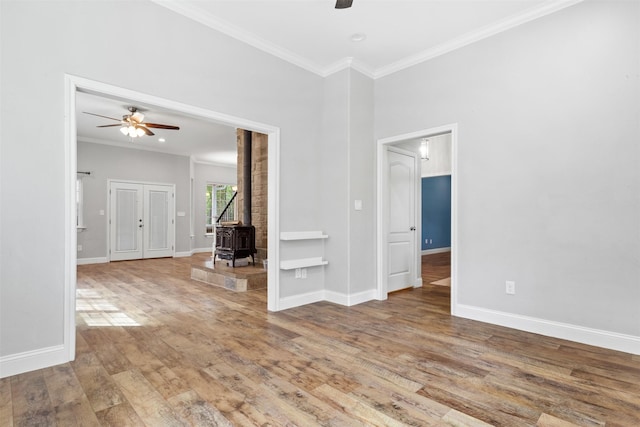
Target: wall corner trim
(595, 337)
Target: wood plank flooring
(155, 348)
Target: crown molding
(475, 36)
(216, 164)
(348, 62)
(199, 15)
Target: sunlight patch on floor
(95, 310)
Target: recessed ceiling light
(161, 140)
(358, 37)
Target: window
(218, 196)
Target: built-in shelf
(302, 235)
(292, 264)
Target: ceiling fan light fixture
(133, 126)
(138, 117)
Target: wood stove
(239, 241)
(235, 241)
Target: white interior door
(402, 219)
(141, 221)
(158, 221)
(125, 221)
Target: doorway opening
(75, 85)
(141, 220)
(440, 255)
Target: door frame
(381, 255)
(73, 84)
(110, 181)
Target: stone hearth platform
(239, 279)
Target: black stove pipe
(246, 183)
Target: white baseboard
(330, 296)
(298, 300)
(182, 254)
(435, 251)
(581, 334)
(99, 260)
(349, 300)
(201, 250)
(19, 363)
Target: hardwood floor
(436, 267)
(155, 348)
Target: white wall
(335, 189)
(548, 157)
(207, 174)
(184, 62)
(108, 162)
(348, 175)
(362, 184)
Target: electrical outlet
(426, 241)
(430, 241)
(298, 273)
(79, 248)
(510, 287)
(304, 273)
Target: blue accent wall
(436, 212)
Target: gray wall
(207, 174)
(335, 188)
(548, 162)
(40, 42)
(109, 162)
(348, 175)
(362, 185)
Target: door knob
(412, 229)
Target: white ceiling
(315, 36)
(399, 33)
(206, 141)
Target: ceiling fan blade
(146, 131)
(160, 126)
(108, 126)
(343, 4)
(100, 115)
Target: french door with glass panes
(141, 220)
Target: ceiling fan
(343, 4)
(132, 124)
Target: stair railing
(226, 208)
